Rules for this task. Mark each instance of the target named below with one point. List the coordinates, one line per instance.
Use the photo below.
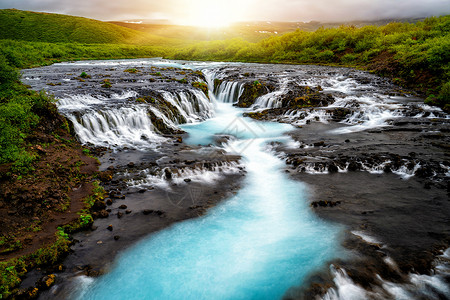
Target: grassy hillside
(253, 31)
(56, 28)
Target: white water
(256, 245)
(115, 122)
(123, 127)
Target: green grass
(56, 28)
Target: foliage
(132, 70)
(56, 28)
(417, 54)
(106, 83)
(202, 86)
(12, 270)
(84, 75)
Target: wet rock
(130, 164)
(109, 201)
(98, 205)
(116, 237)
(123, 206)
(253, 90)
(319, 144)
(332, 168)
(187, 180)
(103, 214)
(354, 166)
(29, 293)
(147, 211)
(46, 282)
(128, 211)
(151, 211)
(110, 227)
(325, 203)
(339, 114)
(387, 168)
(119, 214)
(424, 171)
(167, 174)
(141, 191)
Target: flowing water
(264, 239)
(256, 245)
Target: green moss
(106, 83)
(132, 70)
(84, 75)
(202, 86)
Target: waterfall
(273, 99)
(229, 91)
(117, 121)
(193, 105)
(125, 126)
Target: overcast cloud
(178, 11)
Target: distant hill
(56, 28)
(251, 31)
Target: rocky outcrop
(253, 90)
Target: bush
(444, 97)
(325, 56)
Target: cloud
(271, 10)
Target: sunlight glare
(210, 13)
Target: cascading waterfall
(229, 91)
(272, 100)
(97, 123)
(264, 239)
(192, 105)
(255, 245)
(125, 126)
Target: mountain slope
(56, 28)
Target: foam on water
(123, 127)
(256, 245)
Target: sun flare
(210, 14)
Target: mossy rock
(202, 86)
(253, 90)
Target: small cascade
(182, 175)
(229, 91)
(115, 121)
(273, 99)
(122, 127)
(193, 105)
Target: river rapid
(249, 181)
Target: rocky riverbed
(374, 157)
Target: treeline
(417, 55)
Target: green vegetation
(22, 54)
(56, 28)
(416, 55)
(132, 70)
(106, 83)
(12, 270)
(84, 75)
(21, 111)
(201, 85)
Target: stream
(225, 206)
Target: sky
(223, 12)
